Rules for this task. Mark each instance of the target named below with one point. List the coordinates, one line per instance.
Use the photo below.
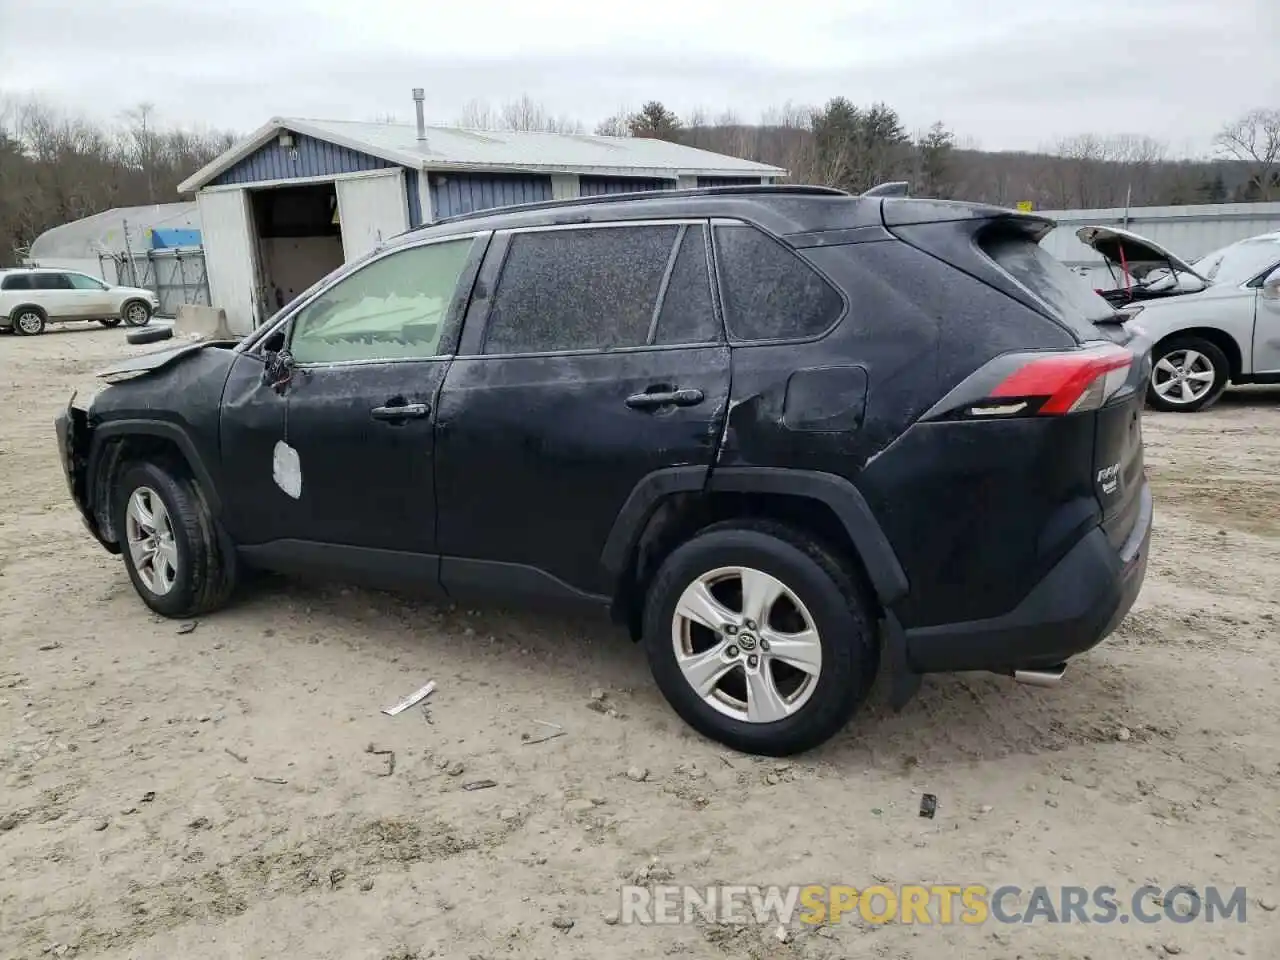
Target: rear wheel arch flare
(1219, 338)
(825, 506)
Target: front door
(352, 489)
(93, 297)
(597, 360)
(1266, 325)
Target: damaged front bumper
(73, 433)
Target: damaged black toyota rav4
(774, 431)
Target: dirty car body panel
(847, 361)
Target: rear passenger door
(56, 295)
(591, 357)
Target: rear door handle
(405, 411)
(688, 397)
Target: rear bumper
(1077, 604)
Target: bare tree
(142, 140)
(1254, 140)
(522, 115)
(614, 125)
(55, 168)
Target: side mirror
(277, 370)
(1271, 285)
(277, 373)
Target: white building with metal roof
(298, 198)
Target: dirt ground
(214, 794)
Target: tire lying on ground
(149, 334)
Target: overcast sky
(1019, 74)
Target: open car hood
(156, 360)
(1140, 255)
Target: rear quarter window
(1067, 295)
(768, 292)
(17, 281)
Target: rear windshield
(1067, 295)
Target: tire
(831, 602)
(149, 335)
(199, 556)
(136, 313)
(1202, 359)
(29, 321)
(110, 322)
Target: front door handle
(405, 411)
(688, 397)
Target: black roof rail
(782, 189)
(892, 188)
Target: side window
(82, 282)
(17, 281)
(687, 314)
(579, 289)
(50, 281)
(395, 308)
(769, 293)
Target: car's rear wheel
(110, 321)
(137, 313)
(760, 637)
(28, 321)
(178, 559)
(1187, 374)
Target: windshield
(1240, 262)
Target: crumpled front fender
(75, 435)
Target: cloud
(1012, 74)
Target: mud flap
(904, 682)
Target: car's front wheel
(760, 637)
(1187, 374)
(137, 313)
(177, 558)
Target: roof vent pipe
(418, 96)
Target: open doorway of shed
(299, 239)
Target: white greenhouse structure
(156, 246)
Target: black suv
(774, 431)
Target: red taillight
(1068, 382)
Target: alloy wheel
(746, 644)
(137, 314)
(30, 322)
(151, 543)
(1183, 376)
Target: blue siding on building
(455, 193)
(728, 181)
(598, 186)
(415, 198)
(308, 157)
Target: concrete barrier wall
(208, 322)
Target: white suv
(33, 297)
